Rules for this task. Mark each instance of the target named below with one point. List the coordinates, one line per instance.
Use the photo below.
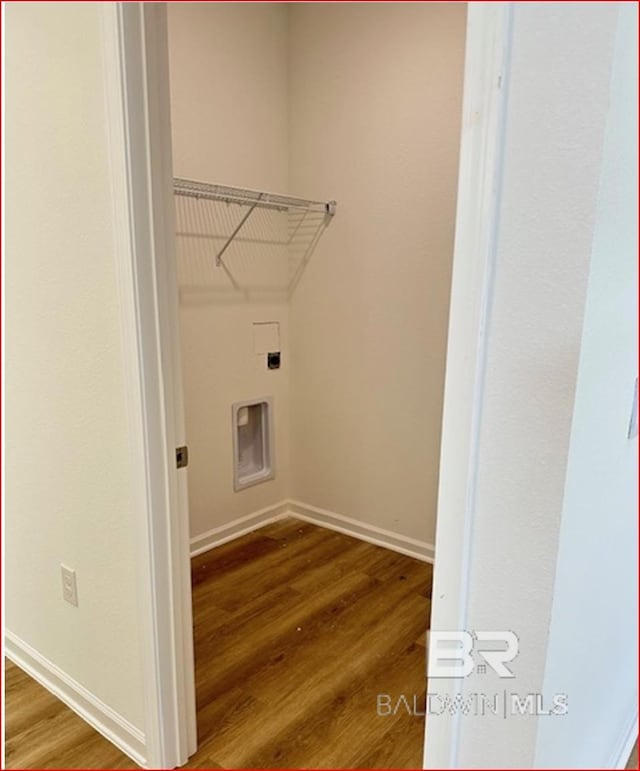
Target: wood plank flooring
(42, 732)
(297, 630)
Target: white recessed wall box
(253, 457)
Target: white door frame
(140, 139)
(137, 92)
(479, 183)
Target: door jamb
(139, 139)
(487, 59)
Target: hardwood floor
(297, 631)
(42, 732)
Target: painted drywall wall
(375, 110)
(258, 99)
(557, 100)
(593, 639)
(69, 494)
(228, 68)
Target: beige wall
(355, 102)
(69, 494)
(229, 121)
(375, 109)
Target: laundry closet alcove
(315, 153)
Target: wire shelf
(252, 199)
(247, 197)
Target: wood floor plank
(249, 658)
(402, 739)
(355, 557)
(42, 732)
(213, 623)
(228, 557)
(347, 724)
(297, 631)
(233, 589)
(333, 668)
(334, 631)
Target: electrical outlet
(69, 585)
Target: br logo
(458, 654)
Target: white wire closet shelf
(250, 198)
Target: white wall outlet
(69, 585)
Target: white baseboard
(420, 550)
(628, 738)
(237, 527)
(99, 715)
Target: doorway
(315, 163)
(361, 265)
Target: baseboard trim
(99, 715)
(238, 527)
(411, 547)
(626, 743)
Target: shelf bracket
(237, 230)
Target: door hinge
(182, 456)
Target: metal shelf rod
(235, 232)
(248, 197)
